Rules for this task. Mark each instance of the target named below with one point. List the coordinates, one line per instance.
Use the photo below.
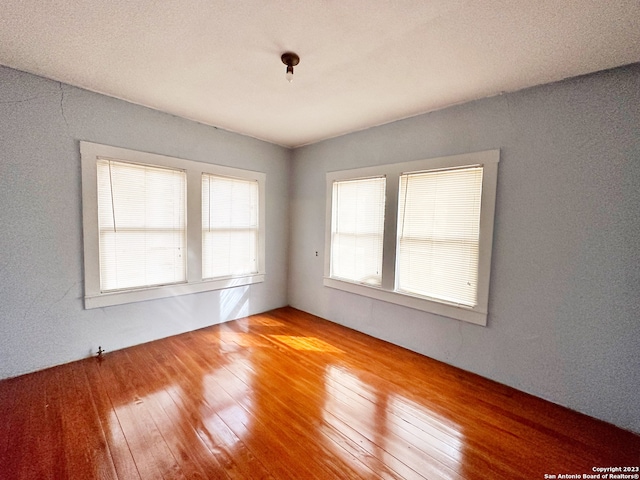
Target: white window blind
(230, 230)
(357, 230)
(142, 225)
(438, 234)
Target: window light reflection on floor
(243, 339)
(308, 344)
(389, 425)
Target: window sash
(439, 234)
(230, 226)
(141, 225)
(357, 232)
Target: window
(229, 226)
(142, 225)
(357, 230)
(157, 226)
(436, 233)
(439, 234)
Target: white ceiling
(363, 62)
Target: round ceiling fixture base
(290, 59)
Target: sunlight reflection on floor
(243, 339)
(407, 436)
(308, 344)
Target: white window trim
(478, 314)
(94, 298)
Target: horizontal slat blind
(357, 230)
(142, 225)
(438, 234)
(229, 226)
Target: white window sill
(458, 312)
(129, 296)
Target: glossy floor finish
(285, 395)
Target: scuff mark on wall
(60, 298)
(62, 104)
(24, 100)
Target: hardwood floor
(287, 395)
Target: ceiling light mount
(290, 59)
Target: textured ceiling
(363, 62)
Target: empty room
(320, 240)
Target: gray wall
(42, 320)
(564, 317)
(564, 308)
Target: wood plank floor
(286, 395)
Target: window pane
(229, 226)
(357, 230)
(438, 234)
(142, 225)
